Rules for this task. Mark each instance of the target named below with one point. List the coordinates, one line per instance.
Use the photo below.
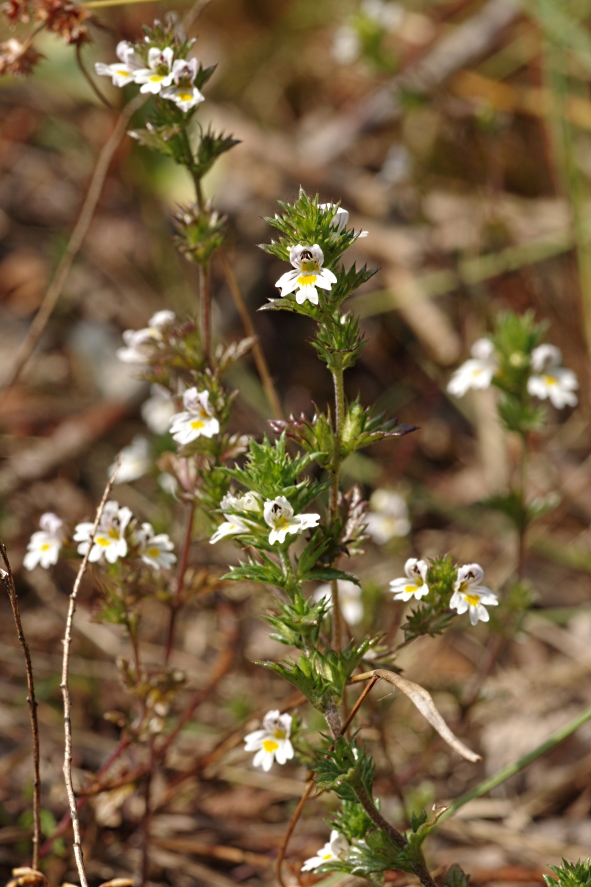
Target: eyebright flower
(470, 595)
(335, 848)
(124, 71)
(550, 380)
(158, 74)
(135, 461)
(346, 45)
(341, 217)
(475, 373)
(158, 409)
(183, 91)
(44, 545)
(309, 274)
(197, 420)
(279, 515)
(415, 584)
(155, 550)
(139, 342)
(110, 535)
(272, 742)
(234, 523)
(349, 599)
(388, 518)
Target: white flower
(168, 483)
(110, 535)
(470, 595)
(545, 356)
(341, 217)
(44, 545)
(475, 373)
(139, 342)
(551, 380)
(135, 461)
(272, 742)
(309, 274)
(233, 523)
(336, 848)
(183, 92)
(158, 409)
(279, 515)
(415, 584)
(389, 517)
(346, 45)
(349, 599)
(155, 550)
(124, 71)
(158, 74)
(197, 420)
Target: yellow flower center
(279, 733)
(270, 745)
(156, 78)
(307, 279)
(197, 424)
(185, 96)
(46, 546)
(113, 533)
(326, 855)
(550, 380)
(410, 589)
(473, 599)
(103, 541)
(153, 552)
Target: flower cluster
(158, 73)
(272, 742)
(117, 536)
(468, 594)
(547, 379)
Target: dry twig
(65, 688)
(8, 580)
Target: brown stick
(257, 351)
(8, 579)
(66, 691)
(78, 234)
(205, 296)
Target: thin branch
(90, 81)
(78, 234)
(66, 691)
(8, 580)
(292, 824)
(257, 351)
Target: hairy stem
(8, 580)
(419, 865)
(522, 501)
(339, 394)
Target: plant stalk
(339, 396)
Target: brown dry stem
(66, 691)
(8, 580)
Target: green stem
(339, 393)
(507, 772)
(521, 533)
(205, 297)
